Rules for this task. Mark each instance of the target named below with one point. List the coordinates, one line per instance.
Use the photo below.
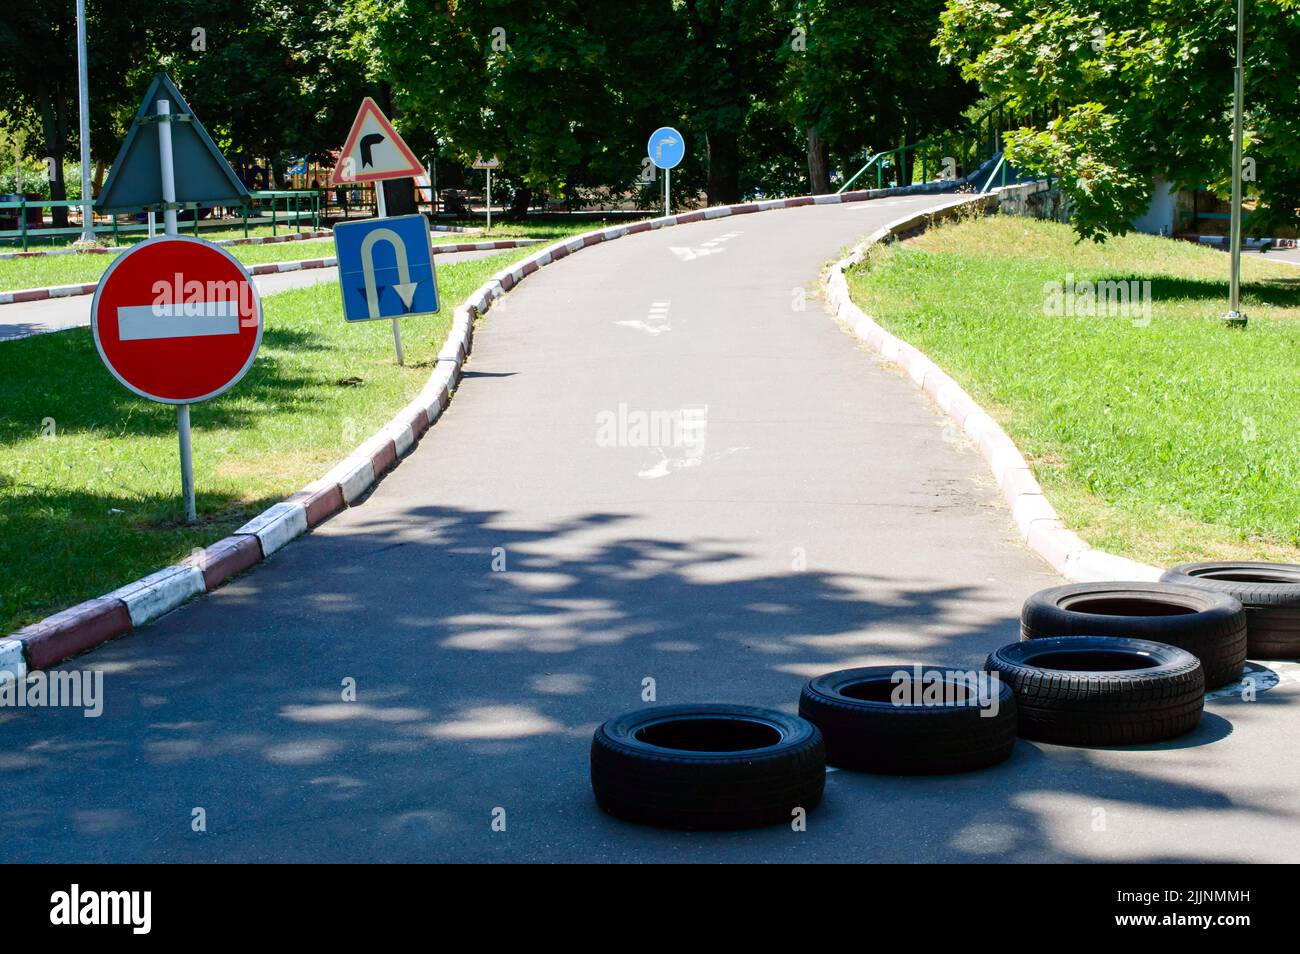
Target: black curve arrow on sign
(368, 143)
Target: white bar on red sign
(185, 320)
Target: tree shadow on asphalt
(478, 688)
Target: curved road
(552, 543)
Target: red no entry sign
(177, 319)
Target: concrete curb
(12, 663)
(40, 294)
(1037, 521)
(266, 268)
(87, 625)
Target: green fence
(282, 207)
(968, 149)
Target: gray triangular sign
(202, 173)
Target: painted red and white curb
(1037, 520)
(86, 625)
(52, 291)
(266, 268)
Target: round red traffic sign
(177, 319)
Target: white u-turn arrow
(405, 289)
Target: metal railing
(968, 148)
(299, 205)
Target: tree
(502, 78)
(866, 77)
(1138, 90)
(268, 78)
(38, 63)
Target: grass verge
(95, 504)
(48, 270)
(1164, 438)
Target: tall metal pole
(83, 99)
(1234, 316)
(169, 227)
(489, 199)
(668, 186)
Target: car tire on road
(707, 766)
(1101, 690)
(1211, 626)
(867, 731)
(1270, 592)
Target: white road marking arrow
(405, 289)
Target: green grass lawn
(1169, 440)
(46, 270)
(97, 504)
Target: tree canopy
(1138, 89)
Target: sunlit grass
(1166, 441)
(97, 504)
(47, 270)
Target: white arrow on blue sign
(386, 268)
(666, 147)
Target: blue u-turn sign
(386, 268)
(666, 147)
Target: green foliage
(869, 78)
(1142, 89)
(564, 93)
(35, 181)
(1086, 147)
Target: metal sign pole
(83, 104)
(1234, 316)
(169, 226)
(668, 186)
(168, 171)
(489, 199)
(381, 206)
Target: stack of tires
(1120, 663)
(1098, 664)
(1270, 594)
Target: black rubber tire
(1270, 592)
(660, 783)
(876, 735)
(1083, 706)
(1210, 626)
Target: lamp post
(1234, 318)
(83, 101)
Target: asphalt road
(58, 314)
(1289, 255)
(821, 517)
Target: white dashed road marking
(689, 253)
(656, 321)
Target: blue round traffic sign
(666, 147)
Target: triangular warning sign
(201, 171)
(373, 150)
